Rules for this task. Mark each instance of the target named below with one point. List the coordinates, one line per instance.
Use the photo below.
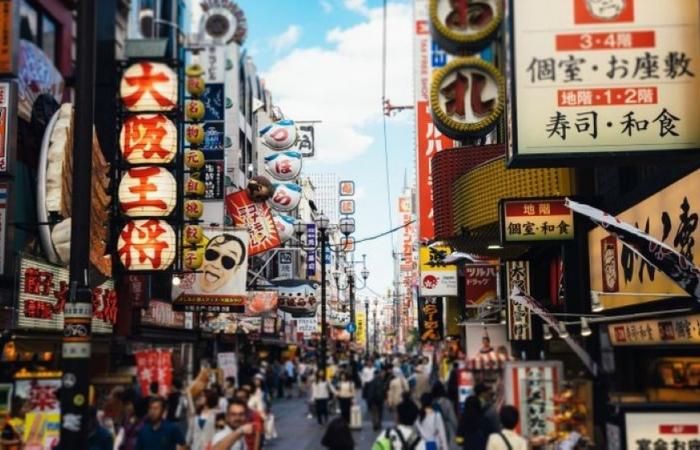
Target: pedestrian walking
(157, 433)
(320, 394)
(255, 440)
(375, 397)
(472, 434)
(345, 393)
(338, 435)
(232, 437)
(405, 435)
(98, 436)
(444, 406)
(430, 425)
(202, 423)
(422, 382)
(178, 406)
(508, 438)
(398, 386)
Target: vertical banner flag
(256, 218)
(154, 366)
(519, 319)
(430, 324)
(361, 322)
(311, 242)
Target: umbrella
(37, 75)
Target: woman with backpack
(431, 426)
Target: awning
(488, 361)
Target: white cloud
(341, 86)
(359, 6)
(326, 6)
(286, 39)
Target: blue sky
(321, 60)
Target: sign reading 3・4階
(606, 77)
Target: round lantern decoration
(195, 86)
(285, 197)
(194, 159)
(194, 186)
(285, 226)
(284, 166)
(194, 133)
(465, 27)
(279, 135)
(147, 191)
(146, 245)
(194, 209)
(194, 234)
(194, 70)
(194, 109)
(149, 86)
(148, 139)
(193, 258)
(260, 189)
(467, 98)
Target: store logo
(430, 282)
(603, 11)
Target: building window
(39, 28)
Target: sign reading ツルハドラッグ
(604, 78)
(536, 220)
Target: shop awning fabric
(666, 259)
(488, 361)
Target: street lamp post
(366, 326)
(350, 271)
(374, 320)
(322, 225)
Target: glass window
(29, 22)
(48, 37)
(37, 27)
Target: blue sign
(351, 328)
(311, 241)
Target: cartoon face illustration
(606, 9)
(222, 257)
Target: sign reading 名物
(662, 430)
(43, 292)
(672, 330)
(437, 278)
(605, 78)
(256, 218)
(519, 317)
(430, 323)
(671, 216)
(481, 283)
(536, 220)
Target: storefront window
(37, 27)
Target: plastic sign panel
(347, 207)
(606, 78)
(436, 278)
(149, 86)
(519, 317)
(347, 244)
(481, 283)
(311, 257)
(306, 144)
(257, 219)
(532, 388)
(7, 117)
(667, 331)
(662, 430)
(346, 188)
(9, 31)
(430, 323)
(531, 220)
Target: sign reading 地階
(535, 220)
(437, 278)
(605, 78)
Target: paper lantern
(285, 227)
(149, 86)
(280, 135)
(193, 258)
(148, 139)
(284, 166)
(194, 159)
(195, 86)
(194, 209)
(194, 133)
(194, 70)
(147, 191)
(285, 197)
(193, 186)
(194, 109)
(194, 234)
(146, 245)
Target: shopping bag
(355, 417)
(270, 429)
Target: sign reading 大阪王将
(606, 78)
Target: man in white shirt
(507, 439)
(367, 374)
(404, 436)
(233, 436)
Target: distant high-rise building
(326, 193)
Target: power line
(380, 235)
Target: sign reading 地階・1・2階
(536, 220)
(605, 78)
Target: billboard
(437, 279)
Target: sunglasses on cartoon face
(227, 262)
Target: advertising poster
(256, 218)
(673, 430)
(485, 339)
(261, 302)
(154, 366)
(219, 285)
(228, 363)
(605, 78)
(531, 387)
(430, 320)
(437, 279)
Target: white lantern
(146, 245)
(284, 166)
(149, 86)
(280, 135)
(285, 227)
(285, 197)
(147, 191)
(148, 139)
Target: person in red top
(253, 441)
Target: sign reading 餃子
(465, 25)
(436, 278)
(42, 294)
(219, 285)
(672, 330)
(430, 323)
(519, 317)
(467, 98)
(256, 218)
(662, 430)
(605, 78)
(535, 220)
(670, 216)
(481, 283)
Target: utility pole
(75, 360)
(351, 286)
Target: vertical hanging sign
(519, 319)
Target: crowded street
(349, 224)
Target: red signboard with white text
(154, 366)
(256, 218)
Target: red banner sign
(481, 283)
(257, 219)
(154, 366)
